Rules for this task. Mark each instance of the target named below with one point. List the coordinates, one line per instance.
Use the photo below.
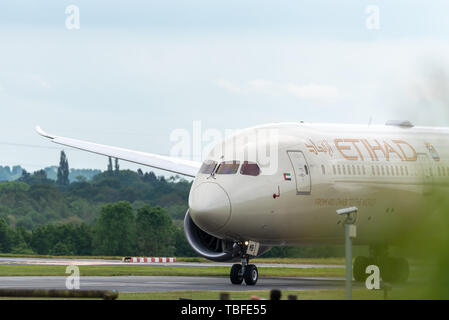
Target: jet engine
(211, 247)
(206, 245)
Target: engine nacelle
(206, 245)
(209, 246)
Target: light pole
(350, 232)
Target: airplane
(240, 206)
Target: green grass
(13, 255)
(340, 261)
(190, 259)
(20, 255)
(328, 294)
(327, 261)
(136, 270)
(331, 294)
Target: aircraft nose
(209, 206)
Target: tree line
(34, 199)
(116, 212)
(119, 231)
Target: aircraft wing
(172, 164)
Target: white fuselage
(385, 171)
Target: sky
(134, 71)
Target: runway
(103, 262)
(170, 283)
(161, 283)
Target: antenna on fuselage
(370, 120)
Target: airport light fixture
(350, 233)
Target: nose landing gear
(244, 271)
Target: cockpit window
(208, 167)
(228, 167)
(250, 169)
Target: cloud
(228, 86)
(310, 91)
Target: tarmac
(161, 283)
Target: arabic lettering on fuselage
(365, 149)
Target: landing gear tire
(359, 268)
(388, 270)
(251, 275)
(404, 270)
(394, 270)
(236, 274)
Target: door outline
(308, 173)
(425, 173)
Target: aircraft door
(301, 171)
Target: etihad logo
(320, 146)
(366, 149)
